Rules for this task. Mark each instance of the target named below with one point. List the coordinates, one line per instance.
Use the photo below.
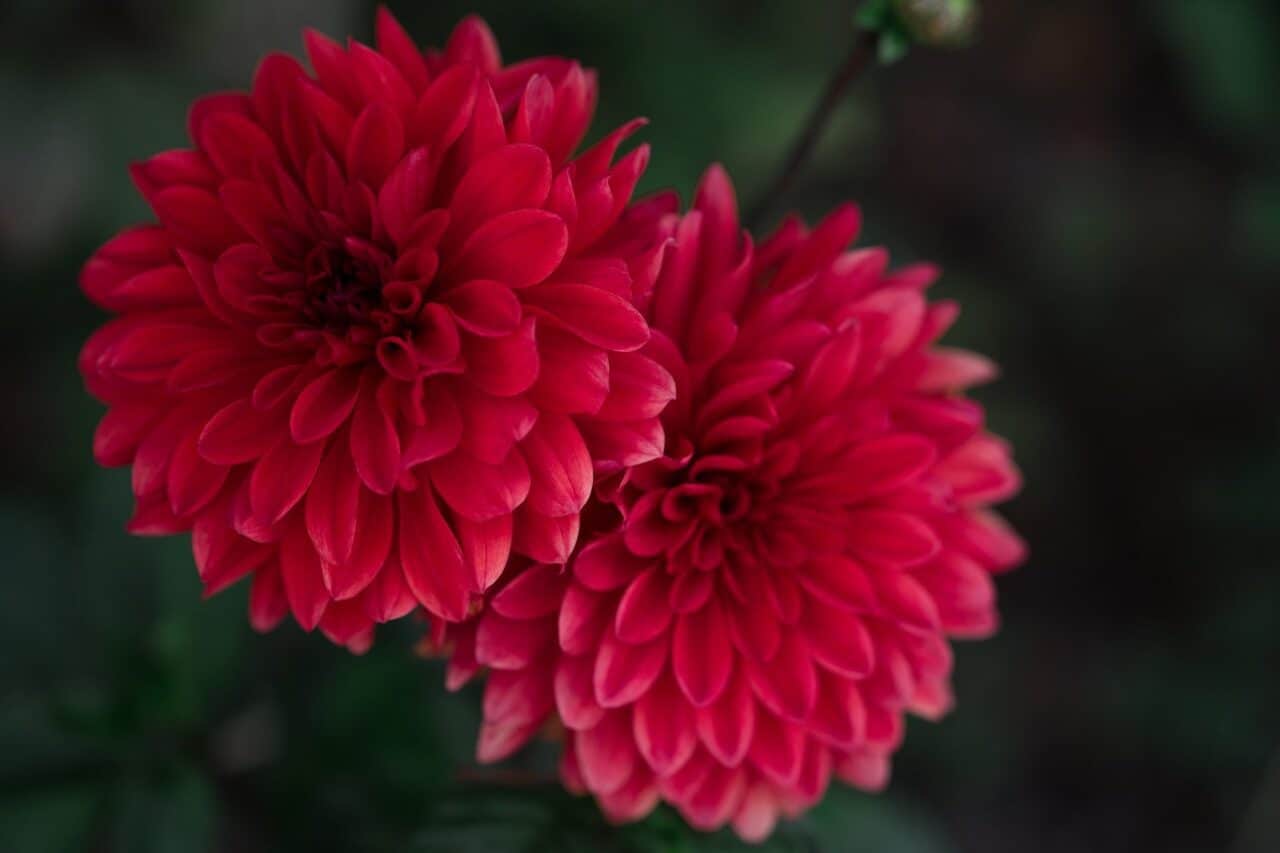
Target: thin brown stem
(860, 55)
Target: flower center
(735, 501)
(344, 289)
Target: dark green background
(1101, 181)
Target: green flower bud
(938, 22)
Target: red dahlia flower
(382, 331)
(762, 604)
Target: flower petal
(303, 581)
(575, 693)
(323, 405)
(238, 433)
(486, 547)
(623, 671)
(606, 564)
(891, 538)
(478, 491)
(606, 753)
(664, 727)
(727, 725)
(484, 307)
(375, 445)
(702, 657)
(534, 593)
(643, 612)
(559, 466)
(593, 314)
(520, 248)
(281, 477)
(787, 684)
(509, 178)
(431, 556)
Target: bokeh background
(1101, 180)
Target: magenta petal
(486, 547)
(543, 538)
(520, 248)
(497, 741)
(490, 426)
(716, 799)
(534, 593)
(606, 753)
(375, 145)
(787, 684)
(504, 366)
(573, 376)
(575, 693)
(664, 727)
(582, 620)
(431, 556)
(593, 314)
(371, 545)
(478, 491)
(559, 466)
(523, 696)
(838, 640)
(757, 814)
(375, 444)
(388, 596)
(238, 433)
(639, 387)
(777, 749)
(891, 538)
(510, 178)
(839, 717)
(512, 644)
(884, 464)
(281, 477)
(303, 581)
(268, 603)
(726, 726)
(623, 672)
(701, 654)
(643, 612)
(606, 564)
(192, 481)
(840, 581)
(485, 307)
(332, 505)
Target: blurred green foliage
(1099, 178)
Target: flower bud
(938, 22)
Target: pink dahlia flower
(382, 331)
(754, 612)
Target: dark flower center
(344, 289)
(735, 501)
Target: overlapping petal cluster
(382, 333)
(753, 613)
(717, 508)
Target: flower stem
(860, 55)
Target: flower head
(382, 332)
(754, 612)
